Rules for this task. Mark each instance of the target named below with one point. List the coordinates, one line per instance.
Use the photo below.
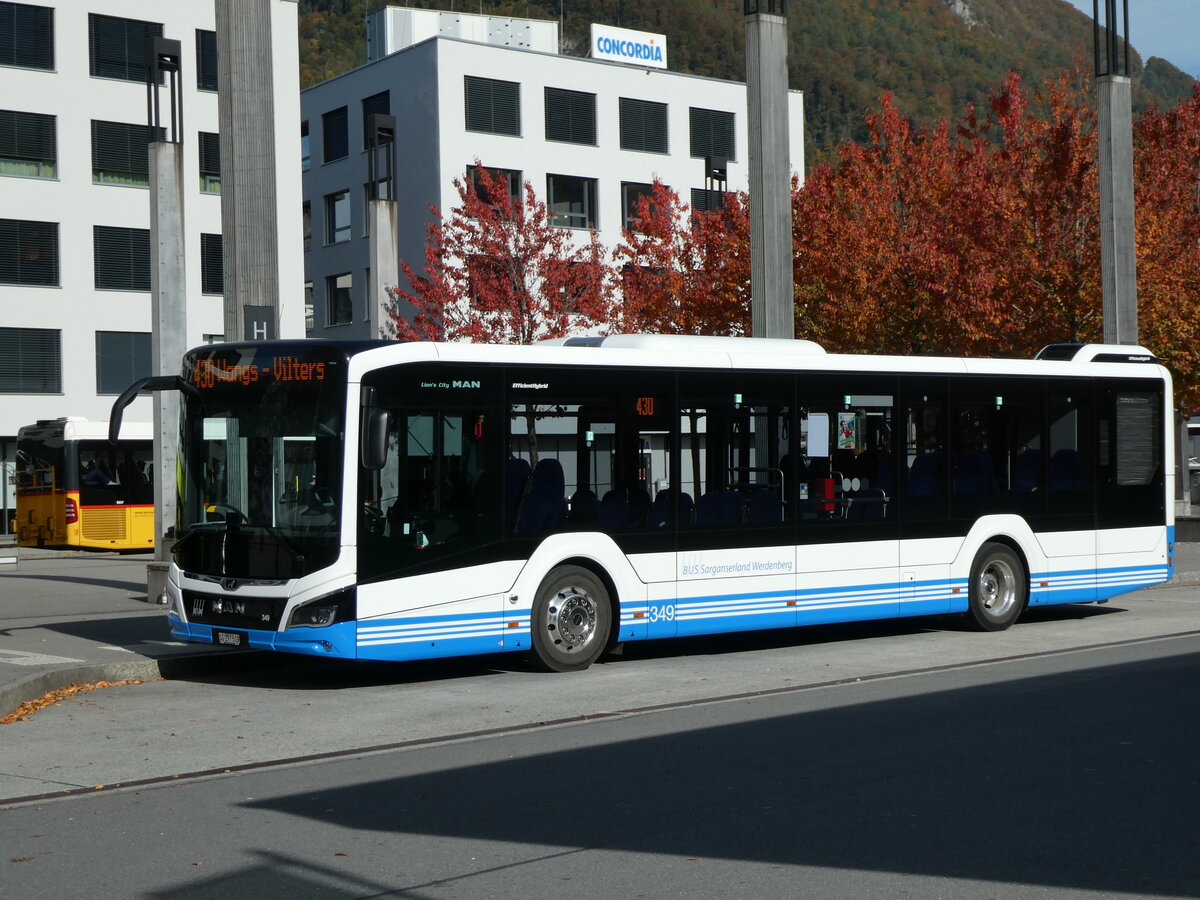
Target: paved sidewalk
(71, 617)
(74, 617)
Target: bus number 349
(662, 613)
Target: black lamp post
(163, 56)
(773, 7)
(1112, 48)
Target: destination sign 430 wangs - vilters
(213, 372)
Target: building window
(376, 104)
(306, 221)
(382, 191)
(212, 264)
(337, 217)
(310, 315)
(712, 134)
(707, 201)
(570, 116)
(337, 292)
(121, 257)
(572, 201)
(121, 153)
(509, 178)
(643, 126)
(26, 36)
(493, 106)
(206, 60)
(122, 357)
(30, 361)
(334, 135)
(117, 47)
(631, 194)
(210, 162)
(28, 252)
(213, 338)
(27, 144)
(305, 148)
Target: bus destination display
(211, 373)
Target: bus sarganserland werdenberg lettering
(396, 501)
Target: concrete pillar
(385, 264)
(249, 195)
(168, 342)
(771, 287)
(1118, 259)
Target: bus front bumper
(338, 641)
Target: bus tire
(571, 620)
(998, 588)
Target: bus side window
(1070, 458)
(927, 467)
(543, 435)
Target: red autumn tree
(987, 242)
(976, 243)
(1167, 193)
(497, 270)
(1039, 203)
(685, 271)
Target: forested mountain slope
(933, 55)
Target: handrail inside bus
(150, 383)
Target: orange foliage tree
(683, 271)
(987, 242)
(975, 243)
(497, 270)
(1167, 194)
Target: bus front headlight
(324, 611)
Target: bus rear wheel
(572, 618)
(998, 588)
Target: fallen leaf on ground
(26, 710)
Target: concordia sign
(638, 48)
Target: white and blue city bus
(392, 501)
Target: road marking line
(34, 659)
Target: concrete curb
(34, 686)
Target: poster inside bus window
(847, 433)
(818, 435)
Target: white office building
(589, 135)
(75, 205)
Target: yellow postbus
(74, 489)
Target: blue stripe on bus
(453, 634)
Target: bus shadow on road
(284, 671)
(1081, 779)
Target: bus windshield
(261, 470)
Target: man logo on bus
(464, 384)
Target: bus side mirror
(376, 425)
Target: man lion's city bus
(395, 501)
(75, 489)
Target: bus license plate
(230, 638)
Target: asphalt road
(888, 760)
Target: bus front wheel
(998, 588)
(571, 620)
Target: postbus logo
(639, 48)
